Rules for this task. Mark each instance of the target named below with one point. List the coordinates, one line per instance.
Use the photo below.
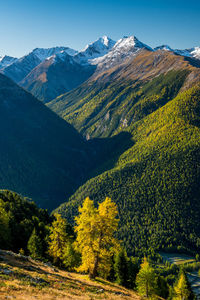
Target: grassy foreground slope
(23, 278)
(155, 183)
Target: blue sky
(25, 25)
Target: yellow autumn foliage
(95, 236)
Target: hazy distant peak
(43, 53)
(164, 47)
(6, 61)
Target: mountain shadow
(107, 151)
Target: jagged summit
(96, 49)
(129, 43)
(101, 44)
(56, 75)
(193, 52)
(98, 56)
(123, 48)
(6, 61)
(43, 53)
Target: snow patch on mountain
(62, 56)
(196, 52)
(193, 52)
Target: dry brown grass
(29, 279)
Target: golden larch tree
(95, 236)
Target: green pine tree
(34, 245)
(133, 267)
(121, 268)
(162, 287)
(5, 235)
(58, 239)
(71, 258)
(146, 280)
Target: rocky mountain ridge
(37, 70)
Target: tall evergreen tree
(5, 234)
(58, 239)
(121, 267)
(133, 268)
(146, 280)
(35, 245)
(71, 258)
(162, 287)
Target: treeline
(19, 218)
(91, 247)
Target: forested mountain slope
(41, 155)
(155, 183)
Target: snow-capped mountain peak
(43, 53)
(123, 48)
(101, 44)
(129, 43)
(24, 65)
(96, 49)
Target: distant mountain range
(38, 70)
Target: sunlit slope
(114, 99)
(155, 183)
